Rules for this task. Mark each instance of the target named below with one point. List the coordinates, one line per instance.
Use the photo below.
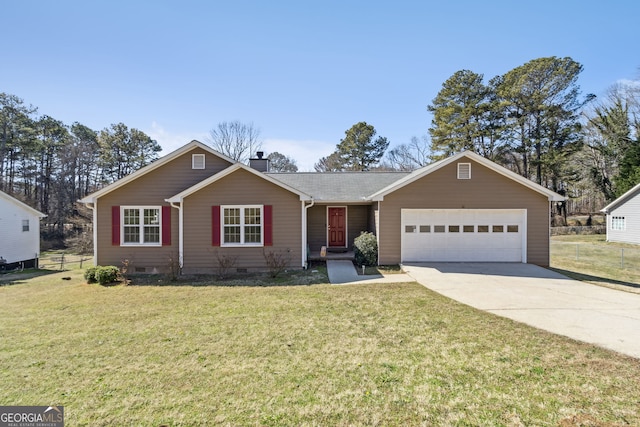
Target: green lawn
(295, 355)
(592, 259)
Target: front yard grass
(302, 355)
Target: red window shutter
(166, 225)
(215, 225)
(115, 225)
(268, 227)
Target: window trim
(25, 226)
(242, 225)
(140, 226)
(618, 223)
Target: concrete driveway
(540, 298)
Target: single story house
(19, 233)
(623, 217)
(199, 206)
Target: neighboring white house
(19, 232)
(623, 217)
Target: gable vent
(464, 170)
(197, 161)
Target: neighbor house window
(25, 225)
(141, 225)
(464, 170)
(242, 225)
(197, 161)
(618, 223)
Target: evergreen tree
(278, 162)
(542, 104)
(359, 150)
(465, 117)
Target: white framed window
(197, 161)
(618, 223)
(141, 225)
(25, 225)
(242, 225)
(464, 170)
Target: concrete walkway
(540, 298)
(342, 272)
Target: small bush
(224, 264)
(90, 274)
(365, 248)
(277, 262)
(107, 274)
(173, 266)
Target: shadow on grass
(589, 278)
(18, 277)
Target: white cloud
(172, 141)
(629, 83)
(305, 152)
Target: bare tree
(407, 157)
(331, 163)
(236, 140)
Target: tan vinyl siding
(240, 188)
(358, 217)
(485, 190)
(317, 227)
(151, 189)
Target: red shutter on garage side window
(215, 225)
(268, 227)
(166, 225)
(115, 225)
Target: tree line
(532, 120)
(50, 165)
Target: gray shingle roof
(339, 186)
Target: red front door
(337, 227)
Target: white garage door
(464, 235)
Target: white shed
(623, 217)
(19, 232)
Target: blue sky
(302, 72)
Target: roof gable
(23, 206)
(622, 199)
(91, 198)
(426, 170)
(228, 171)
